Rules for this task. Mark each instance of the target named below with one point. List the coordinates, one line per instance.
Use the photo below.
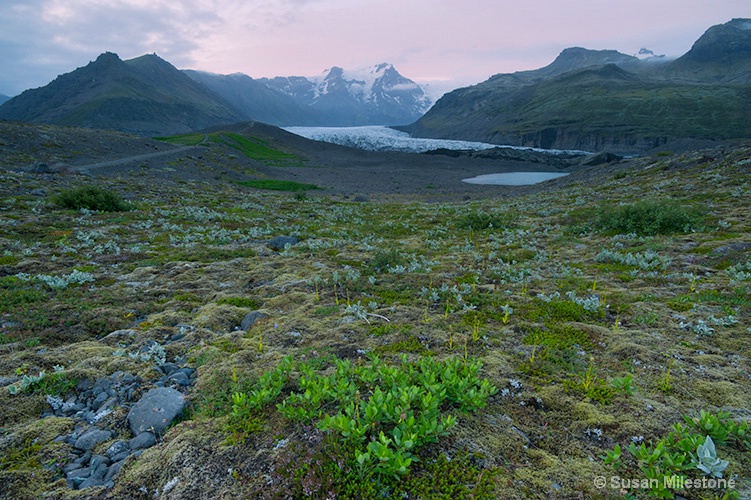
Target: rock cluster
(149, 416)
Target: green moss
(248, 302)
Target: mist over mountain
(4, 98)
(602, 99)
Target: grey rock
(114, 469)
(143, 440)
(156, 410)
(731, 248)
(90, 438)
(39, 168)
(168, 368)
(279, 242)
(78, 476)
(99, 400)
(116, 448)
(121, 456)
(91, 482)
(68, 468)
(180, 378)
(118, 337)
(83, 459)
(250, 319)
(101, 469)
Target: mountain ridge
(595, 100)
(149, 96)
(129, 96)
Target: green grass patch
(183, 139)
(278, 185)
(252, 147)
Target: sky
(442, 43)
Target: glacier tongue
(380, 138)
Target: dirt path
(128, 159)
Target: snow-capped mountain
(374, 95)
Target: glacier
(382, 138)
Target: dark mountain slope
(146, 95)
(625, 105)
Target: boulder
(90, 438)
(156, 410)
(279, 242)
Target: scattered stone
(118, 337)
(76, 477)
(98, 466)
(113, 470)
(180, 378)
(168, 368)
(141, 441)
(250, 319)
(91, 437)
(279, 242)
(731, 248)
(116, 449)
(156, 410)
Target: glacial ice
(381, 138)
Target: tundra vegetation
(514, 347)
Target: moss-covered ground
(561, 313)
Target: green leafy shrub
(303, 472)
(649, 217)
(91, 198)
(383, 412)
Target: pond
(514, 178)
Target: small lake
(514, 178)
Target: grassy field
(501, 348)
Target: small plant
(91, 198)
(674, 458)
(507, 311)
(53, 384)
(623, 384)
(665, 384)
(613, 458)
(709, 464)
(718, 427)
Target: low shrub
(649, 217)
(91, 198)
